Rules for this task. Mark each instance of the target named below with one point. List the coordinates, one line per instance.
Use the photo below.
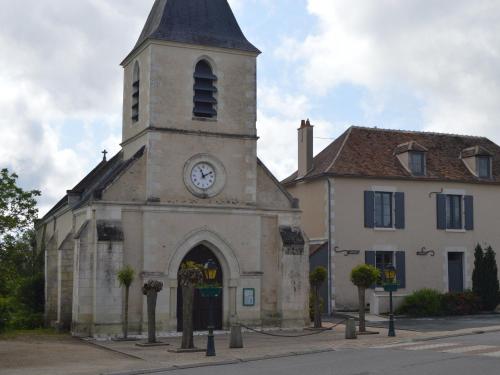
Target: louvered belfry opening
(204, 91)
(135, 93)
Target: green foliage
(5, 313)
(312, 299)
(364, 276)
(126, 276)
(424, 302)
(430, 302)
(21, 267)
(318, 276)
(464, 303)
(17, 207)
(490, 285)
(477, 273)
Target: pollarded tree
(190, 275)
(317, 278)
(126, 277)
(151, 290)
(478, 273)
(490, 288)
(363, 276)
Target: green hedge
(5, 313)
(430, 302)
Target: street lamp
(390, 286)
(210, 291)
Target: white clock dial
(203, 176)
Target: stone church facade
(186, 185)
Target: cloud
(446, 54)
(62, 87)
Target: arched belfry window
(204, 91)
(135, 93)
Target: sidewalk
(67, 355)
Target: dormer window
(413, 157)
(483, 166)
(416, 161)
(478, 160)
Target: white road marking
(432, 346)
(467, 349)
(492, 354)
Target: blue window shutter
(369, 208)
(400, 210)
(370, 260)
(401, 269)
(469, 212)
(441, 211)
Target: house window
(204, 91)
(383, 210)
(417, 163)
(484, 167)
(135, 93)
(454, 212)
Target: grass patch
(11, 334)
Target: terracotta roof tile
(370, 152)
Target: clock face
(203, 175)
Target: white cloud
(444, 53)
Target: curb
(219, 363)
(452, 335)
(97, 346)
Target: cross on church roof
(104, 153)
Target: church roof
(201, 22)
(92, 185)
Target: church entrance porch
(201, 255)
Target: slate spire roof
(201, 22)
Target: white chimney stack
(306, 131)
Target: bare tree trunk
(362, 323)
(125, 320)
(151, 298)
(187, 317)
(317, 306)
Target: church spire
(201, 22)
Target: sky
(431, 65)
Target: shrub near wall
(465, 303)
(424, 302)
(429, 302)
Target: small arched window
(135, 92)
(204, 91)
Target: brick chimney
(305, 148)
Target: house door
(456, 272)
(201, 255)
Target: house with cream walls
(420, 201)
(186, 186)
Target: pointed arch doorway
(201, 255)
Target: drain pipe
(330, 310)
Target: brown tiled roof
(370, 152)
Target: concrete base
(193, 350)
(150, 345)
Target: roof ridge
(347, 135)
(418, 132)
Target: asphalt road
(477, 354)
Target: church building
(186, 185)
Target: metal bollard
(236, 341)
(350, 329)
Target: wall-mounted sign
(248, 297)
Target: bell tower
(190, 98)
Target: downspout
(330, 312)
